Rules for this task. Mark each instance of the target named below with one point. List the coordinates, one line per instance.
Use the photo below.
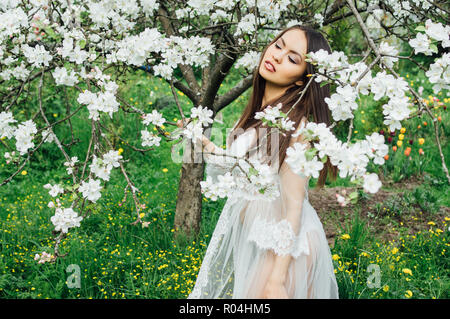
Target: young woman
(277, 248)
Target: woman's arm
(293, 191)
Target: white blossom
(65, 218)
(24, 135)
(71, 164)
(203, 114)
(149, 139)
(38, 56)
(155, 118)
(6, 130)
(91, 189)
(54, 190)
(62, 77)
(371, 183)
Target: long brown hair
(311, 104)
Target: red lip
(268, 62)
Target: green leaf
(353, 195)
(324, 159)
(323, 83)
(82, 44)
(252, 171)
(420, 28)
(310, 153)
(434, 48)
(50, 33)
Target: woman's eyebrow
(284, 44)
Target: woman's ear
(299, 83)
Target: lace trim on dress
(278, 236)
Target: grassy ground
(403, 231)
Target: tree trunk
(189, 199)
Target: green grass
(417, 263)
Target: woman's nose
(277, 57)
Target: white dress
(250, 234)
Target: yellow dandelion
(24, 172)
(431, 223)
(386, 288)
(345, 236)
(407, 271)
(165, 170)
(335, 257)
(394, 250)
(408, 294)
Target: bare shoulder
(300, 137)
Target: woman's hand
(180, 123)
(275, 290)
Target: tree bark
(189, 198)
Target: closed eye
(290, 59)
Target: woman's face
(287, 55)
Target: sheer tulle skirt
(238, 262)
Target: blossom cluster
(439, 73)
(422, 43)
(23, 133)
(44, 257)
(71, 164)
(248, 61)
(350, 159)
(273, 116)
(253, 181)
(102, 101)
(101, 168)
(174, 50)
(155, 118)
(343, 103)
(65, 218)
(62, 77)
(201, 116)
